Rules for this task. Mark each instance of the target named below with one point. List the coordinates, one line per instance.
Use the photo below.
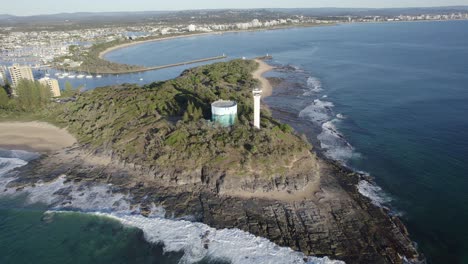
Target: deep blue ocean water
(396, 92)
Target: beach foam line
(334, 143)
(318, 111)
(373, 192)
(200, 242)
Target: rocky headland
(155, 144)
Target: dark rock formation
(332, 220)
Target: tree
(32, 95)
(192, 113)
(69, 90)
(4, 99)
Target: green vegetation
(33, 101)
(69, 91)
(4, 98)
(164, 124)
(93, 63)
(30, 96)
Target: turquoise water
(397, 93)
(29, 236)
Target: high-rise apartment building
(18, 73)
(3, 76)
(52, 84)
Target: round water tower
(224, 112)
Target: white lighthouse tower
(257, 94)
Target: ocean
(387, 99)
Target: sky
(35, 7)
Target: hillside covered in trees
(167, 123)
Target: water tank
(224, 112)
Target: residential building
(52, 84)
(3, 76)
(18, 73)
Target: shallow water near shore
(388, 99)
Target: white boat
(141, 79)
(89, 76)
(98, 76)
(71, 76)
(57, 74)
(61, 76)
(47, 75)
(65, 74)
(80, 76)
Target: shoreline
(34, 136)
(125, 45)
(263, 68)
(137, 42)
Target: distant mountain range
(230, 15)
(80, 17)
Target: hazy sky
(33, 7)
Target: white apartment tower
(3, 76)
(52, 84)
(257, 94)
(18, 73)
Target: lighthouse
(257, 94)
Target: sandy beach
(258, 74)
(138, 42)
(34, 136)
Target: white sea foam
(19, 154)
(314, 85)
(199, 241)
(296, 68)
(318, 112)
(335, 145)
(9, 164)
(196, 240)
(373, 192)
(340, 116)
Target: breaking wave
(12, 159)
(318, 112)
(373, 192)
(9, 164)
(197, 240)
(334, 144)
(314, 85)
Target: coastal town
(77, 51)
(42, 47)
